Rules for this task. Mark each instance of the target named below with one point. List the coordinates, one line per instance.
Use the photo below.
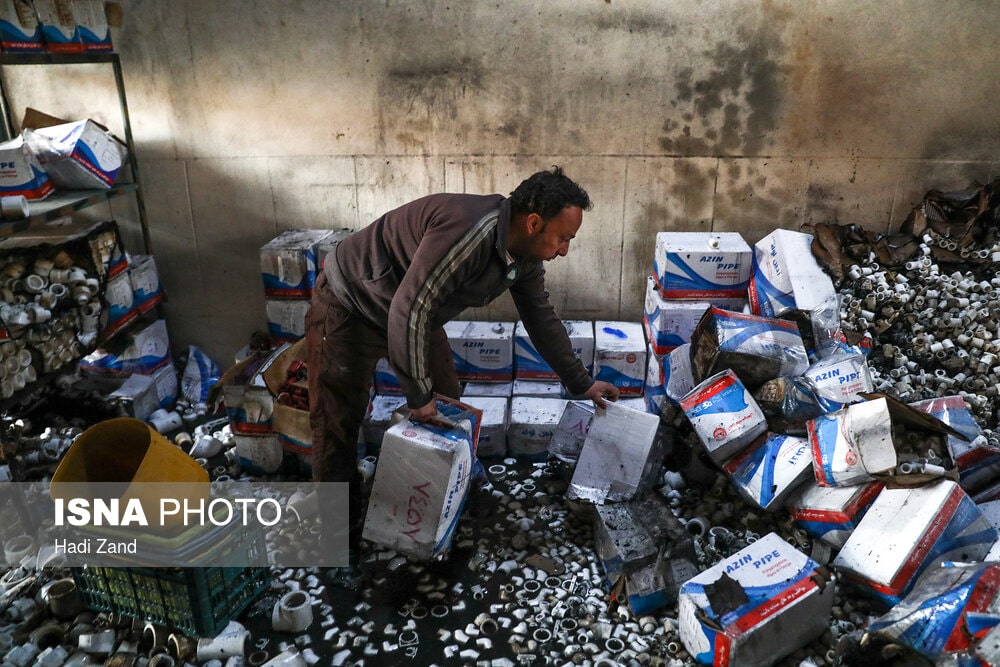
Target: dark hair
(547, 193)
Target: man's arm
(550, 338)
(439, 267)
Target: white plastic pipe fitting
(292, 613)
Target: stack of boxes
(691, 271)
(289, 265)
(54, 26)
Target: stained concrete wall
(252, 117)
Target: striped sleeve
(439, 267)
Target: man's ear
(533, 223)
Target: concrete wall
(255, 116)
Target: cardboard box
(620, 459)
(669, 322)
(145, 280)
(756, 606)
(286, 318)
(21, 174)
(258, 454)
(528, 363)
(290, 423)
(248, 401)
(977, 461)
(385, 380)
(19, 29)
(493, 430)
(696, 265)
(92, 25)
(137, 397)
(288, 263)
(907, 531)
(79, 155)
(855, 444)
(571, 431)
(678, 378)
(831, 514)
(326, 246)
(756, 348)
(839, 379)
(165, 381)
(421, 482)
(496, 389)
(532, 423)
(119, 305)
(653, 392)
(770, 469)
(629, 539)
(483, 351)
(58, 26)
(620, 355)
(946, 615)
(786, 276)
(724, 415)
(378, 419)
(147, 351)
(537, 389)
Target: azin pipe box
(906, 531)
(421, 481)
(697, 265)
(755, 607)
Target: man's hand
(424, 413)
(599, 391)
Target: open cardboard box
(861, 443)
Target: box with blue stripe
(756, 606)
(700, 265)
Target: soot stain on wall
(736, 102)
(415, 104)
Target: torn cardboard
(644, 549)
(948, 610)
(620, 458)
(855, 444)
(770, 469)
(908, 530)
(756, 348)
(755, 607)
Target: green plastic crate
(198, 601)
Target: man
(388, 289)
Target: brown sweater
(422, 264)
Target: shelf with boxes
(62, 166)
(63, 291)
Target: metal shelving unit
(64, 203)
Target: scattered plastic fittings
(22, 655)
(303, 505)
(289, 657)
(233, 641)
(206, 446)
(98, 643)
(164, 421)
(292, 613)
(18, 548)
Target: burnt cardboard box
(756, 348)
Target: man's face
(550, 238)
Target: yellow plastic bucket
(126, 450)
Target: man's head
(546, 213)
